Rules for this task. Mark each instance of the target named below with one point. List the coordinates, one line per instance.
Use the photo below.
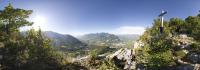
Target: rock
(182, 41)
(186, 51)
(1, 45)
(138, 44)
(124, 58)
(188, 67)
(185, 67)
(181, 61)
(1, 57)
(194, 57)
(197, 67)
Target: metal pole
(162, 21)
(161, 27)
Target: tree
(31, 51)
(14, 18)
(159, 49)
(41, 55)
(193, 26)
(156, 52)
(11, 20)
(176, 25)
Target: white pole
(162, 18)
(162, 21)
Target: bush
(180, 54)
(108, 65)
(160, 60)
(195, 47)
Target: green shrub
(195, 47)
(160, 60)
(180, 54)
(108, 65)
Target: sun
(39, 21)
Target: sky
(78, 17)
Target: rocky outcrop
(1, 45)
(182, 41)
(124, 58)
(194, 57)
(188, 67)
(196, 67)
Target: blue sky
(78, 17)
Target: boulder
(196, 67)
(124, 58)
(182, 41)
(188, 67)
(1, 45)
(185, 67)
(194, 57)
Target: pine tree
(31, 51)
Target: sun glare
(39, 21)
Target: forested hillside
(100, 39)
(64, 42)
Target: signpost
(161, 17)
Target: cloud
(77, 33)
(129, 30)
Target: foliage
(108, 65)
(74, 66)
(142, 54)
(29, 52)
(95, 62)
(40, 53)
(180, 54)
(14, 18)
(14, 51)
(158, 50)
(33, 50)
(176, 25)
(160, 60)
(92, 61)
(195, 47)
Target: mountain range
(102, 39)
(64, 41)
(70, 42)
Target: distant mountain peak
(60, 40)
